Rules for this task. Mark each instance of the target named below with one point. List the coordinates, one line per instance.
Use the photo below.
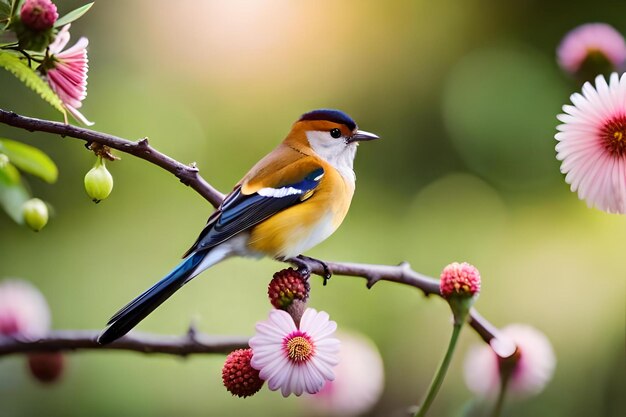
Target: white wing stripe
(278, 192)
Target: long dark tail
(135, 311)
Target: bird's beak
(362, 135)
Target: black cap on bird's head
(335, 116)
(340, 118)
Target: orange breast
(300, 227)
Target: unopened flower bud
(460, 285)
(286, 286)
(459, 280)
(35, 214)
(46, 367)
(239, 377)
(38, 15)
(98, 181)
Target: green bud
(35, 214)
(98, 181)
(4, 160)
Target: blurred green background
(465, 95)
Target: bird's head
(330, 133)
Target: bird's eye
(336, 133)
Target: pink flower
(592, 144)
(359, 380)
(584, 41)
(531, 373)
(38, 15)
(66, 72)
(24, 312)
(460, 280)
(295, 359)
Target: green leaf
(12, 12)
(9, 175)
(73, 15)
(30, 78)
(12, 198)
(30, 159)
(5, 10)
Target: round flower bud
(286, 286)
(459, 280)
(98, 181)
(239, 377)
(38, 15)
(35, 214)
(46, 367)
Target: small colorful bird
(291, 200)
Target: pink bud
(38, 15)
(461, 280)
(239, 377)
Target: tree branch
(70, 340)
(187, 174)
(401, 274)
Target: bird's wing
(271, 186)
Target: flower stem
(504, 382)
(441, 372)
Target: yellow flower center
(299, 349)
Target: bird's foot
(306, 260)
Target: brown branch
(187, 174)
(401, 274)
(71, 340)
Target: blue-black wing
(239, 211)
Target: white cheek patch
(278, 192)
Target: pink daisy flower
(532, 372)
(23, 310)
(591, 39)
(294, 359)
(592, 144)
(359, 379)
(66, 72)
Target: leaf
(30, 78)
(12, 198)
(73, 15)
(30, 159)
(9, 175)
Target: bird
(291, 200)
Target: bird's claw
(305, 260)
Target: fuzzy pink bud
(459, 280)
(38, 15)
(239, 377)
(286, 286)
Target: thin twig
(187, 174)
(70, 340)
